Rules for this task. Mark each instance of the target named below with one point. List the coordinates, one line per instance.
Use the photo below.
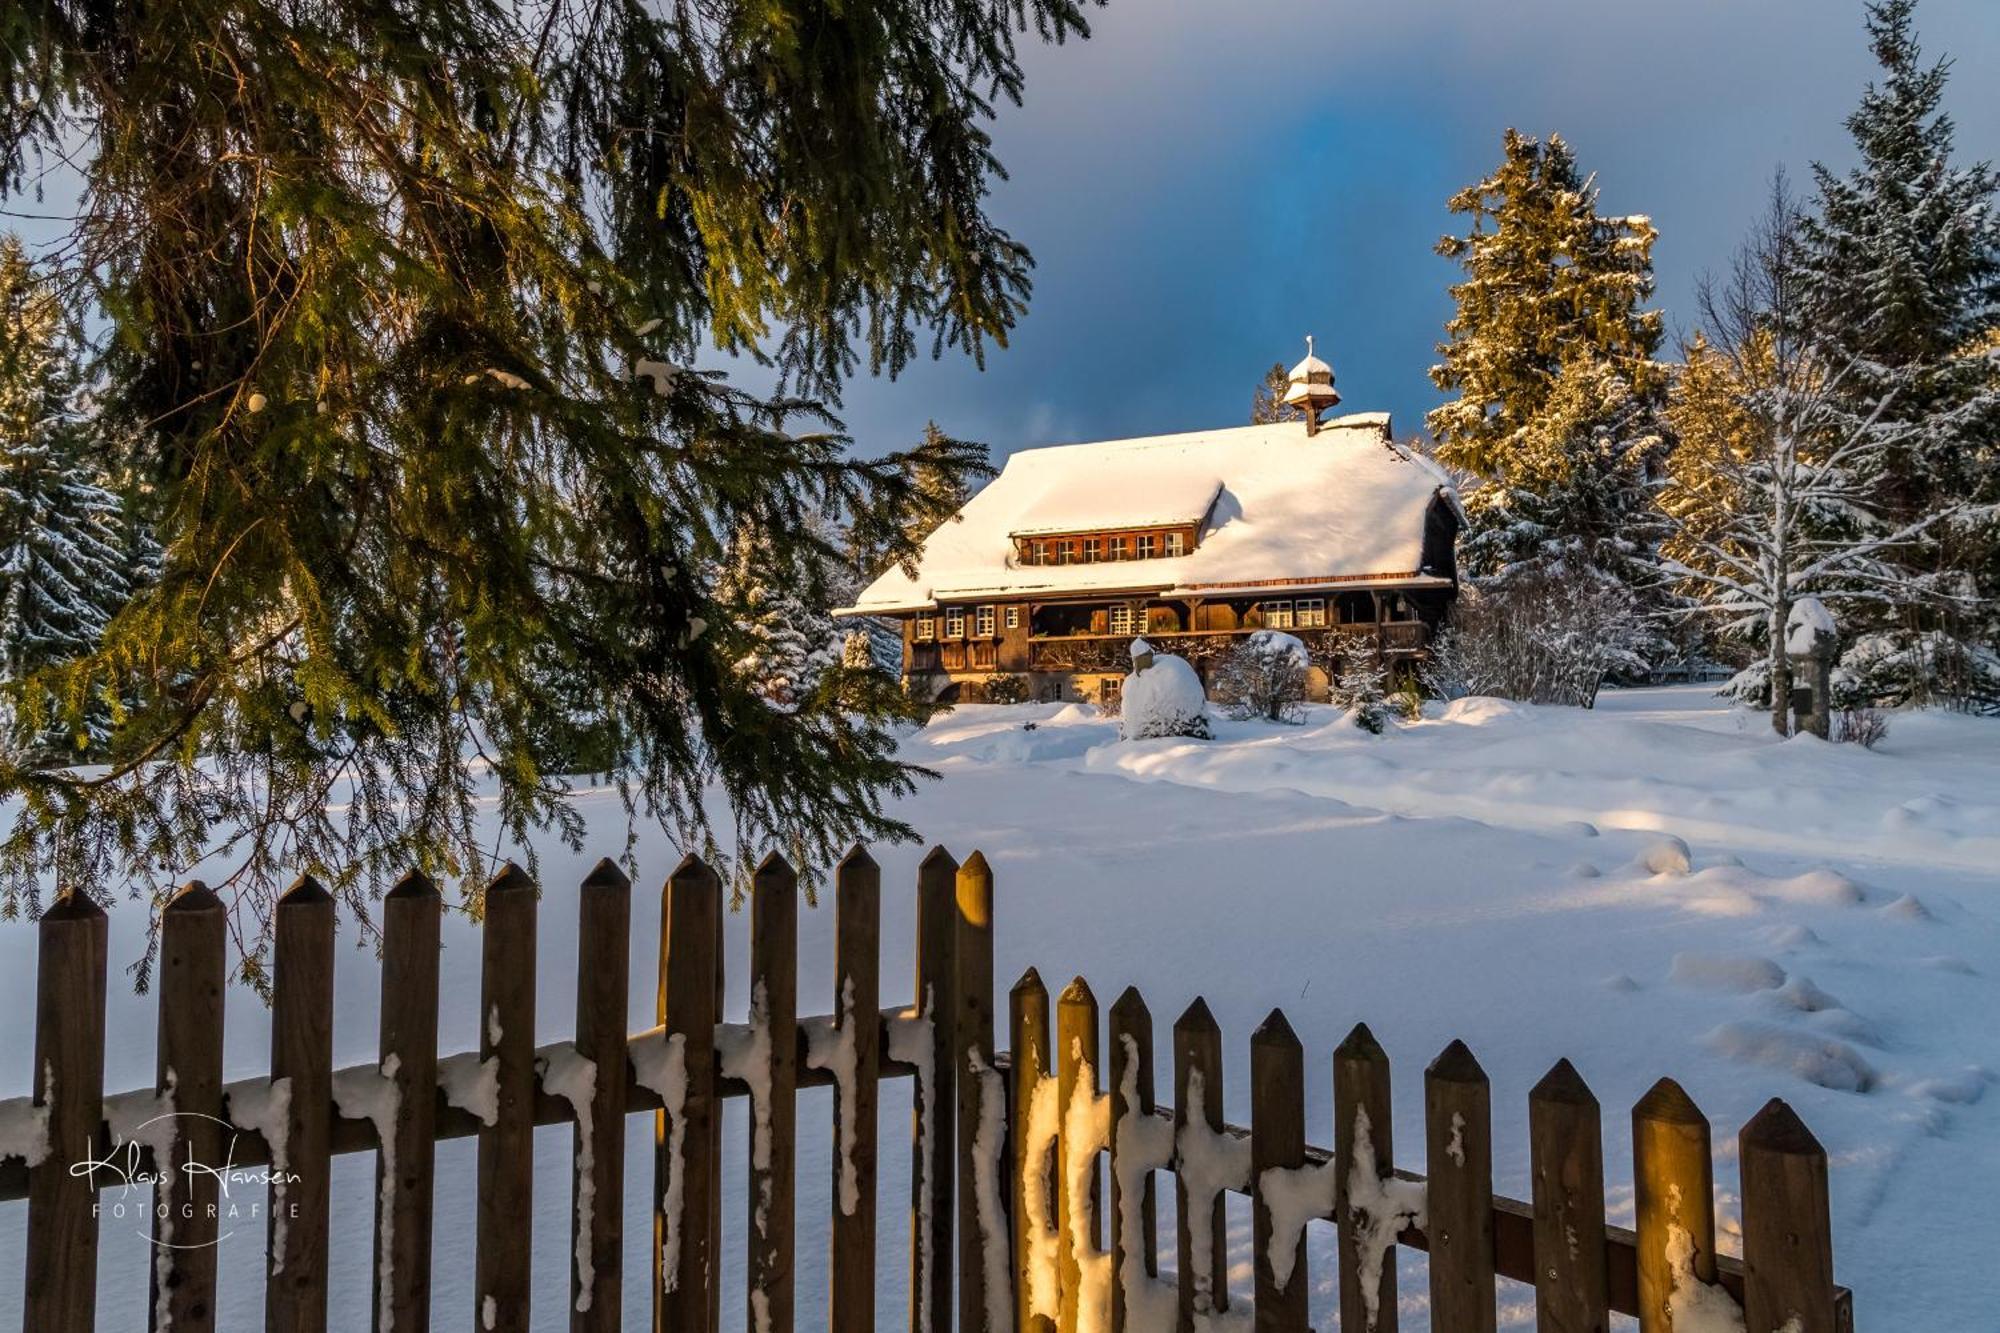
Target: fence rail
(1011, 1223)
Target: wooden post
(774, 981)
(1130, 1059)
(984, 1296)
(1787, 1225)
(1076, 1210)
(1204, 1279)
(1458, 1162)
(603, 962)
(1566, 1150)
(1674, 1196)
(1278, 1143)
(193, 941)
(932, 1115)
(685, 1167)
(857, 1008)
(1034, 1174)
(302, 1054)
(410, 922)
(61, 1288)
(1361, 1105)
(507, 1146)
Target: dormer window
(1039, 553)
(1148, 544)
(1175, 544)
(1066, 551)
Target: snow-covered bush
(1866, 727)
(1407, 699)
(1163, 699)
(1542, 637)
(1359, 689)
(1006, 688)
(1264, 676)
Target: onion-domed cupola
(1310, 388)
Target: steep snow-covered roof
(1275, 505)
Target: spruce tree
(1267, 403)
(407, 300)
(63, 546)
(1901, 271)
(1551, 357)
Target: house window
(982, 622)
(1277, 615)
(1122, 619)
(926, 627)
(1093, 550)
(1013, 617)
(1040, 554)
(1310, 612)
(1174, 544)
(954, 622)
(1147, 542)
(1066, 551)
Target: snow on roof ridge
(1351, 421)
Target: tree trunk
(1781, 671)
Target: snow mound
(1277, 643)
(1818, 888)
(1795, 936)
(1801, 994)
(1481, 710)
(1817, 1060)
(1909, 907)
(1665, 855)
(1742, 973)
(1166, 699)
(1960, 1089)
(1583, 828)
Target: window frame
(1143, 546)
(925, 630)
(954, 622)
(1176, 545)
(1038, 551)
(1309, 619)
(1274, 618)
(985, 622)
(1122, 610)
(1013, 616)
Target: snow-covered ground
(1503, 874)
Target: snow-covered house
(1328, 530)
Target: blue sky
(1202, 184)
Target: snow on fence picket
(1027, 1241)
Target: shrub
(1359, 690)
(1541, 637)
(1866, 727)
(1408, 699)
(1165, 699)
(1264, 676)
(1006, 688)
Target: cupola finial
(1310, 388)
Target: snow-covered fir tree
(1550, 355)
(1900, 261)
(780, 629)
(64, 557)
(1267, 403)
(1777, 487)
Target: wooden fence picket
(406, 1167)
(604, 933)
(1566, 1156)
(1130, 1063)
(1013, 1229)
(774, 971)
(1361, 1106)
(1458, 1169)
(68, 1081)
(188, 1122)
(857, 1006)
(1674, 1198)
(1277, 1144)
(685, 1167)
(1034, 1152)
(302, 1057)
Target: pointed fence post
(507, 1145)
(1131, 1061)
(405, 1167)
(1458, 1165)
(1204, 1277)
(1077, 1193)
(857, 1007)
(985, 1274)
(774, 973)
(603, 971)
(1566, 1151)
(1361, 1107)
(302, 1055)
(1675, 1198)
(193, 942)
(932, 1116)
(685, 1167)
(1277, 1143)
(61, 1285)
(1787, 1225)
(1034, 1150)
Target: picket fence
(1010, 1227)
